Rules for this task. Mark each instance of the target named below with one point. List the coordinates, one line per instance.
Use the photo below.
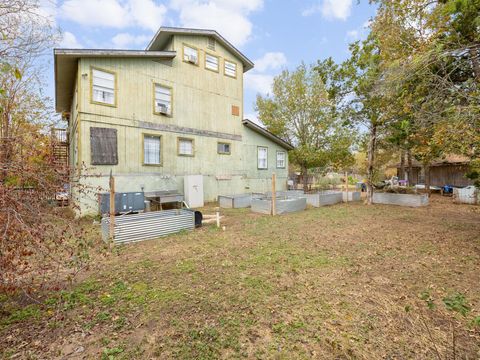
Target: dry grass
(343, 282)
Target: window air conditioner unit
(162, 108)
(192, 59)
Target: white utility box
(193, 190)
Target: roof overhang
(163, 35)
(66, 63)
(264, 132)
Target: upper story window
(185, 147)
(190, 54)
(211, 62)
(152, 150)
(223, 148)
(281, 157)
(211, 43)
(262, 158)
(103, 87)
(230, 69)
(163, 100)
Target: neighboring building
(152, 117)
(449, 171)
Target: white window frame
(158, 91)
(152, 161)
(187, 51)
(284, 153)
(216, 66)
(224, 152)
(259, 167)
(230, 69)
(105, 82)
(180, 151)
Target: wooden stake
(274, 194)
(217, 213)
(112, 205)
(346, 184)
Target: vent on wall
(211, 43)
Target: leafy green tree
(300, 111)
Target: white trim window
(211, 62)
(185, 147)
(230, 68)
(190, 54)
(281, 156)
(152, 150)
(103, 87)
(262, 158)
(163, 99)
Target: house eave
(264, 132)
(66, 63)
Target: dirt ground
(343, 282)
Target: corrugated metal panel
(145, 226)
(236, 201)
(324, 198)
(264, 206)
(400, 199)
(468, 195)
(352, 196)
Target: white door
(193, 190)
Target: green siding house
(154, 116)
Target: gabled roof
(163, 35)
(264, 132)
(66, 61)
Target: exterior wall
(202, 103)
(442, 175)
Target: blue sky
(274, 34)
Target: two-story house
(153, 116)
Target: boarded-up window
(211, 43)
(103, 146)
(235, 110)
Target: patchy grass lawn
(341, 282)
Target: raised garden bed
(283, 206)
(352, 196)
(324, 198)
(236, 201)
(412, 200)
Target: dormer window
(230, 69)
(190, 54)
(163, 100)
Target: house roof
(164, 34)
(448, 160)
(264, 132)
(66, 61)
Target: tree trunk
(305, 178)
(475, 57)
(371, 158)
(401, 175)
(426, 169)
(410, 168)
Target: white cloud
(271, 60)
(125, 40)
(228, 17)
(69, 41)
(331, 9)
(260, 79)
(114, 13)
(353, 35)
(260, 83)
